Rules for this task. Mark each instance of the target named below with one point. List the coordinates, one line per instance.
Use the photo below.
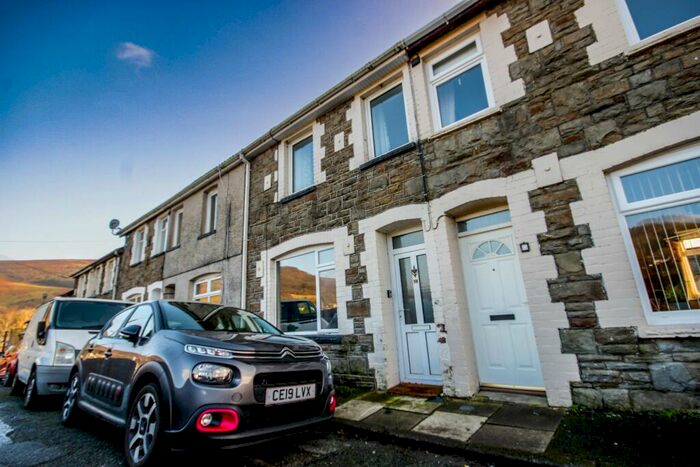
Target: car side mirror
(41, 331)
(2, 354)
(131, 333)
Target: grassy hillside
(51, 272)
(15, 295)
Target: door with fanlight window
(419, 354)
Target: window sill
(135, 264)
(205, 235)
(466, 122)
(389, 155)
(298, 194)
(172, 248)
(158, 254)
(326, 338)
(663, 36)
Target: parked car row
(171, 373)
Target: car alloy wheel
(144, 422)
(71, 400)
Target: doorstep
(479, 425)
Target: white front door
(506, 352)
(419, 354)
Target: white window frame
(160, 241)
(384, 88)
(109, 274)
(178, 217)
(290, 160)
(633, 34)
(211, 221)
(624, 208)
(320, 267)
(434, 81)
(135, 259)
(209, 293)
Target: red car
(8, 365)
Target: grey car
(194, 374)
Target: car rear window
(206, 317)
(84, 314)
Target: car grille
(262, 381)
(284, 353)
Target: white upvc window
(160, 242)
(301, 163)
(109, 276)
(459, 86)
(211, 211)
(387, 122)
(659, 205)
(307, 292)
(644, 19)
(138, 248)
(208, 289)
(177, 228)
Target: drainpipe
(116, 276)
(244, 258)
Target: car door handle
(90, 347)
(108, 353)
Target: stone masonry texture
(570, 107)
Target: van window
(84, 314)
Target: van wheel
(70, 412)
(16, 389)
(31, 399)
(142, 438)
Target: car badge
(287, 352)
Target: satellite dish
(113, 224)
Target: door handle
(91, 347)
(108, 353)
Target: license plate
(287, 394)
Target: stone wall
(142, 274)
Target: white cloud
(140, 57)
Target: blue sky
(107, 108)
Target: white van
(55, 335)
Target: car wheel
(16, 389)
(70, 412)
(6, 380)
(31, 399)
(142, 443)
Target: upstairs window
(659, 203)
(307, 292)
(457, 80)
(138, 248)
(211, 211)
(388, 125)
(302, 164)
(161, 241)
(646, 18)
(208, 290)
(177, 228)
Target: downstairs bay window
(208, 289)
(659, 203)
(307, 292)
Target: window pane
(481, 222)
(669, 268)
(115, 324)
(462, 96)
(213, 200)
(389, 130)
(139, 316)
(409, 239)
(407, 295)
(425, 295)
(455, 59)
(662, 181)
(215, 298)
(215, 285)
(650, 16)
(200, 288)
(303, 164)
(326, 256)
(297, 286)
(329, 304)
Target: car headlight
(64, 354)
(208, 373)
(208, 351)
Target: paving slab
(508, 437)
(394, 420)
(480, 409)
(450, 425)
(357, 410)
(412, 404)
(522, 416)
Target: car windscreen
(85, 314)
(206, 317)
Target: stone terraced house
(508, 198)
(99, 278)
